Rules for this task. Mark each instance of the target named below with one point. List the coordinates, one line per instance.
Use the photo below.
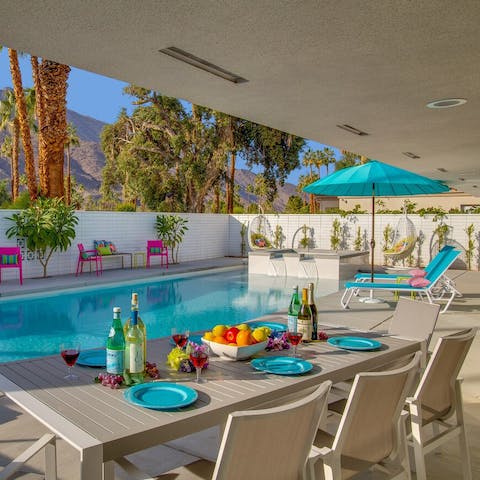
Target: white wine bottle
(116, 345)
(141, 324)
(304, 322)
(134, 350)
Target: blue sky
(96, 96)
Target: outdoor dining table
(103, 426)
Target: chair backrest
(272, 443)
(436, 390)
(368, 430)
(442, 266)
(10, 256)
(154, 244)
(414, 320)
(438, 257)
(80, 247)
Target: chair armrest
(91, 251)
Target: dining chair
(156, 248)
(437, 402)
(48, 443)
(88, 256)
(11, 257)
(371, 430)
(270, 444)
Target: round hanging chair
(404, 240)
(260, 234)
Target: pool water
(35, 326)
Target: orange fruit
(243, 338)
(219, 339)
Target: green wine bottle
(134, 350)
(293, 309)
(141, 324)
(116, 345)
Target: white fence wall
(211, 235)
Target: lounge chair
(438, 399)
(250, 447)
(371, 430)
(435, 290)
(11, 257)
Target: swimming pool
(35, 326)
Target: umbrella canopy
(372, 179)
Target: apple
(231, 335)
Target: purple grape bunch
(278, 342)
(111, 380)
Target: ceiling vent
(202, 64)
(411, 155)
(351, 129)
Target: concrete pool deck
(18, 429)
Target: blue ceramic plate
(93, 358)
(282, 365)
(354, 343)
(161, 395)
(273, 326)
(192, 338)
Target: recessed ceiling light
(202, 64)
(351, 129)
(447, 103)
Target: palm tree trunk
(312, 202)
(15, 151)
(53, 81)
(40, 114)
(69, 178)
(24, 124)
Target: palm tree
(73, 140)
(53, 83)
(9, 121)
(22, 115)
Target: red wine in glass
(294, 338)
(70, 353)
(199, 359)
(180, 339)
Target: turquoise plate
(192, 338)
(354, 343)
(273, 326)
(93, 358)
(161, 395)
(282, 365)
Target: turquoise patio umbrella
(373, 179)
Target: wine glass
(294, 338)
(70, 353)
(199, 358)
(180, 338)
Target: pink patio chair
(10, 257)
(156, 248)
(88, 256)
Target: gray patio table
(102, 426)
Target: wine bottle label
(304, 325)
(115, 361)
(292, 323)
(135, 358)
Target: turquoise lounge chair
(434, 291)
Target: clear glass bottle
(293, 309)
(116, 345)
(304, 321)
(141, 325)
(313, 308)
(134, 349)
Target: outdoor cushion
(419, 282)
(417, 272)
(156, 250)
(86, 255)
(105, 243)
(9, 259)
(104, 250)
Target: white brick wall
(211, 235)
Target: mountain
(88, 160)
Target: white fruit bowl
(231, 352)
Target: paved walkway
(18, 429)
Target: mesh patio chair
(437, 402)
(11, 257)
(156, 248)
(88, 256)
(270, 444)
(372, 428)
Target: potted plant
(171, 230)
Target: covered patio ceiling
(309, 66)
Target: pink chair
(88, 256)
(156, 248)
(10, 257)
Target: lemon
(244, 326)
(259, 334)
(208, 336)
(219, 330)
